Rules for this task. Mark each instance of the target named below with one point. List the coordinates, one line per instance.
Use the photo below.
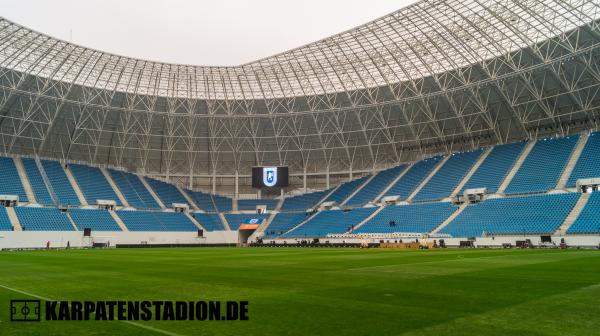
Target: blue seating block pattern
(543, 166)
(40, 190)
(443, 183)
(418, 218)
(540, 214)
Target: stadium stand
(60, 183)
(304, 201)
(588, 165)
(495, 167)
(443, 183)
(413, 178)
(588, 220)
(156, 221)
(283, 222)
(211, 222)
(97, 220)
(223, 203)
(374, 187)
(203, 200)
(345, 190)
(408, 218)
(235, 220)
(331, 222)
(40, 190)
(250, 204)
(167, 192)
(540, 214)
(43, 219)
(10, 181)
(542, 168)
(5, 224)
(133, 190)
(93, 184)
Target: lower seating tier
(588, 220)
(210, 222)
(156, 221)
(97, 220)
(43, 219)
(283, 222)
(331, 222)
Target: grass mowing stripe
(160, 331)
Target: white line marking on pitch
(160, 331)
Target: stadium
(433, 171)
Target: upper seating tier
(39, 187)
(10, 181)
(415, 175)
(445, 180)
(93, 184)
(543, 166)
(374, 187)
(134, 191)
(60, 183)
(588, 165)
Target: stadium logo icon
(270, 176)
(25, 310)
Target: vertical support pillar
(214, 182)
(304, 180)
(237, 185)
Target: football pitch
(301, 291)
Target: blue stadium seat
(156, 221)
(211, 222)
(60, 183)
(43, 219)
(418, 218)
(10, 181)
(405, 186)
(588, 165)
(543, 166)
(283, 222)
(346, 189)
(223, 203)
(330, 222)
(203, 200)
(134, 191)
(304, 201)
(93, 184)
(495, 167)
(443, 183)
(541, 214)
(40, 190)
(374, 187)
(5, 224)
(97, 220)
(250, 204)
(167, 192)
(234, 220)
(588, 220)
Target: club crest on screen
(270, 176)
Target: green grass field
(319, 291)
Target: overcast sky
(218, 32)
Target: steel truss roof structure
(432, 77)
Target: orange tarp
(248, 226)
